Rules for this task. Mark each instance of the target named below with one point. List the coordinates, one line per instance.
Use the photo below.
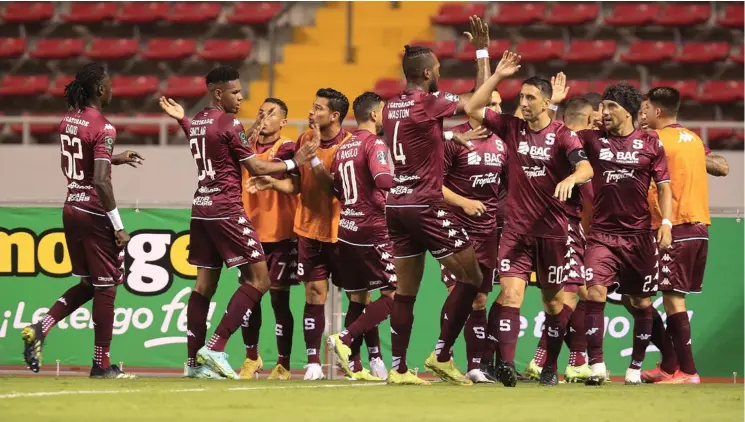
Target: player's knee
(358, 297)
(597, 293)
(553, 303)
(640, 302)
(388, 293)
(479, 304)
(315, 292)
(511, 296)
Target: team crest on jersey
(244, 138)
(109, 142)
(382, 157)
(473, 158)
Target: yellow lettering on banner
(179, 256)
(48, 252)
(17, 247)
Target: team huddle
(494, 200)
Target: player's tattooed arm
(469, 206)
(479, 38)
(665, 199)
(716, 165)
(508, 66)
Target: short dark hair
(337, 101)
(626, 96)
(221, 75)
(595, 99)
(543, 85)
(84, 88)
(575, 105)
(416, 60)
(364, 105)
(666, 98)
(279, 103)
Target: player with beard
(416, 212)
(546, 161)
(220, 229)
(621, 244)
(272, 214)
(94, 231)
(317, 217)
(684, 263)
(642, 116)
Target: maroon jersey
(623, 168)
(538, 161)
(85, 136)
(356, 165)
(218, 144)
(413, 129)
(476, 175)
(580, 194)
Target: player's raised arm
(479, 38)
(559, 92)
(716, 165)
(176, 111)
(508, 66)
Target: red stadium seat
(740, 135)
(226, 49)
(91, 12)
(254, 13)
(599, 86)
(12, 47)
(458, 13)
(387, 88)
(733, 16)
(540, 50)
(720, 134)
(169, 48)
(510, 89)
(586, 51)
(496, 49)
(455, 86)
(112, 48)
(721, 91)
(572, 13)
(683, 14)
(185, 86)
(649, 51)
(519, 13)
(58, 85)
(19, 85)
(633, 14)
(688, 88)
(577, 87)
(150, 129)
(142, 12)
(193, 12)
(442, 49)
(37, 128)
(58, 48)
(27, 12)
(703, 52)
(134, 86)
(737, 57)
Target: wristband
(448, 135)
(482, 54)
(291, 164)
(315, 162)
(666, 222)
(553, 107)
(116, 220)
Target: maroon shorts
(574, 270)
(232, 240)
(486, 253)
(92, 247)
(630, 260)
(316, 259)
(414, 230)
(366, 267)
(683, 264)
(520, 254)
(281, 259)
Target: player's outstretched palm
(508, 65)
(172, 108)
(479, 35)
(132, 158)
(560, 88)
(259, 184)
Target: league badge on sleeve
(244, 138)
(109, 142)
(382, 157)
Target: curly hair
(84, 88)
(626, 96)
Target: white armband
(116, 220)
(291, 164)
(553, 107)
(666, 222)
(482, 54)
(448, 135)
(315, 162)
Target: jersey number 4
(398, 149)
(204, 164)
(73, 151)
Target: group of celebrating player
(493, 200)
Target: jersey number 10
(349, 182)
(204, 164)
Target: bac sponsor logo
(153, 257)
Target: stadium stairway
(316, 57)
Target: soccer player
(621, 244)
(642, 116)
(546, 161)
(684, 263)
(220, 229)
(475, 188)
(272, 214)
(317, 217)
(94, 231)
(416, 212)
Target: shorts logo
(392, 279)
(459, 243)
(446, 223)
(665, 269)
(666, 257)
(255, 254)
(105, 278)
(452, 232)
(251, 242)
(234, 259)
(385, 255)
(441, 213)
(665, 282)
(242, 220)
(246, 231)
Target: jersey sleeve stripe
(103, 159)
(382, 172)
(659, 182)
(247, 158)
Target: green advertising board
(150, 320)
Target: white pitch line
(181, 390)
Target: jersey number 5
(398, 149)
(204, 164)
(73, 151)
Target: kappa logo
(246, 231)
(108, 126)
(592, 331)
(458, 243)
(251, 242)
(685, 137)
(446, 223)
(644, 337)
(393, 278)
(473, 158)
(236, 122)
(62, 300)
(255, 254)
(242, 220)
(570, 252)
(665, 282)
(665, 269)
(390, 267)
(452, 232)
(570, 240)
(666, 257)
(441, 213)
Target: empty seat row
(122, 48)
(142, 12)
(569, 13)
(706, 92)
(593, 51)
(123, 86)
